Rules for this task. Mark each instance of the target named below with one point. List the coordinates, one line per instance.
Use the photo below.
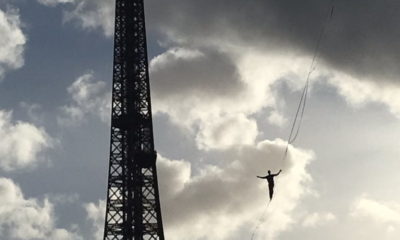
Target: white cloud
(96, 214)
(12, 41)
(214, 93)
(226, 131)
(21, 143)
(93, 14)
(317, 219)
(62, 198)
(360, 92)
(218, 115)
(382, 216)
(54, 2)
(25, 219)
(88, 14)
(34, 111)
(201, 86)
(228, 201)
(277, 119)
(191, 68)
(388, 213)
(89, 97)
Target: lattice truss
(133, 205)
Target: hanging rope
(296, 125)
(260, 221)
(298, 119)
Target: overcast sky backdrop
(226, 77)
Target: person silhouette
(271, 183)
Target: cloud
(89, 97)
(360, 93)
(226, 131)
(207, 73)
(33, 111)
(25, 219)
(356, 46)
(197, 89)
(255, 44)
(277, 119)
(383, 217)
(214, 94)
(54, 2)
(380, 212)
(21, 143)
(12, 41)
(228, 200)
(96, 214)
(357, 55)
(317, 219)
(359, 41)
(93, 14)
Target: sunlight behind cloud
(225, 200)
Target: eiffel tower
(133, 204)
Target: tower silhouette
(133, 205)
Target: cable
(259, 221)
(296, 126)
(298, 119)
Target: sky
(226, 78)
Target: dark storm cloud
(203, 73)
(361, 39)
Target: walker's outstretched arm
(262, 177)
(278, 173)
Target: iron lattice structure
(133, 205)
